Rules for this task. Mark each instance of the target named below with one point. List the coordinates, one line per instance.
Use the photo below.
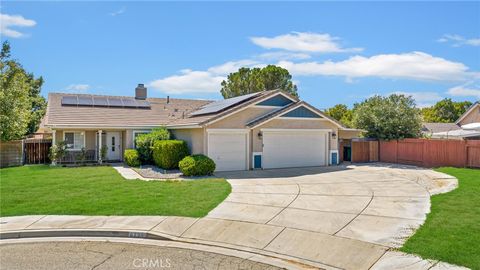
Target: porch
(91, 145)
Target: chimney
(140, 91)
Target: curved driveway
(345, 217)
(330, 217)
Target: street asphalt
(89, 255)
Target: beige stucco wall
(128, 139)
(238, 120)
(349, 134)
(472, 117)
(193, 136)
(293, 124)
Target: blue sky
(338, 52)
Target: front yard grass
(45, 190)
(451, 232)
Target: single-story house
(269, 129)
(466, 127)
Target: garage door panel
(294, 149)
(228, 150)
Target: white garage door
(228, 149)
(294, 148)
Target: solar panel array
(97, 101)
(221, 105)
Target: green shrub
(57, 152)
(168, 153)
(132, 158)
(144, 143)
(197, 165)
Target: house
(466, 127)
(269, 129)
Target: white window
(136, 133)
(74, 140)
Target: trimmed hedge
(144, 143)
(197, 165)
(132, 158)
(168, 153)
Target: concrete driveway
(343, 217)
(331, 217)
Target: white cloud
(77, 87)
(118, 12)
(465, 90)
(190, 81)
(9, 21)
(270, 56)
(303, 42)
(413, 65)
(458, 40)
(232, 66)
(422, 99)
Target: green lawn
(451, 232)
(42, 190)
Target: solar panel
(115, 102)
(127, 102)
(85, 101)
(223, 104)
(100, 101)
(69, 100)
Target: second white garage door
(228, 148)
(294, 148)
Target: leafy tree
(21, 105)
(341, 113)
(386, 118)
(252, 80)
(445, 111)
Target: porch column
(100, 146)
(54, 137)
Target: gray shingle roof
(439, 127)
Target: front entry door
(113, 144)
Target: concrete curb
(80, 233)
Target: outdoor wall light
(260, 135)
(334, 135)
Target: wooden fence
(431, 152)
(364, 151)
(419, 152)
(11, 153)
(36, 151)
(29, 151)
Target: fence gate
(36, 151)
(364, 151)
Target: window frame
(76, 131)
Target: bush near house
(168, 153)
(132, 158)
(197, 165)
(145, 142)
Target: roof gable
(301, 112)
(277, 101)
(469, 111)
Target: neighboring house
(269, 129)
(466, 127)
